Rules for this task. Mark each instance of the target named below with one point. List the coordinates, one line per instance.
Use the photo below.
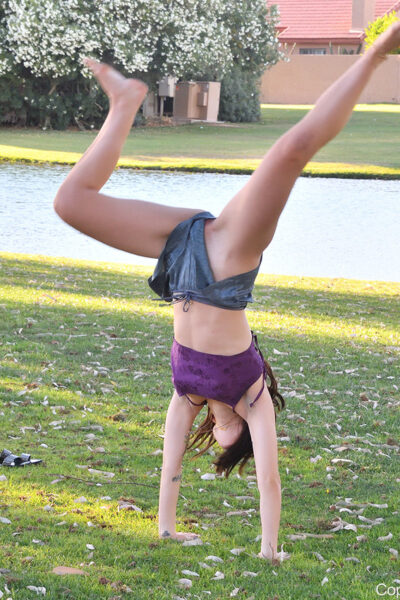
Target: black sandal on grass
(8, 459)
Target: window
(312, 50)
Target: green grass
(334, 345)
(367, 147)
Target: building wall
(305, 77)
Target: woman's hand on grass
(276, 559)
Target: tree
(43, 43)
(254, 47)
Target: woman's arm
(261, 421)
(180, 418)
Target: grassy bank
(367, 147)
(85, 385)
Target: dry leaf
(38, 590)
(237, 551)
(214, 558)
(385, 538)
(208, 476)
(195, 542)
(218, 575)
(68, 571)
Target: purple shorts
(216, 376)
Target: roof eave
(322, 40)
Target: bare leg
(132, 225)
(248, 222)
(125, 96)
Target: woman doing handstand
(207, 267)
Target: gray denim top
(183, 271)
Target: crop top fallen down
(183, 271)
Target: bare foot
(117, 87)
(388, 40)
(181, 536)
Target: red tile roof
(322, 20)
(384, 6)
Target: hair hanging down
(242, 449)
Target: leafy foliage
(43, 42)
(379, 26)
(239, 100)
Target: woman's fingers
(277, 559)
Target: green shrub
(28, 101)
(239, 100)
(379, 26)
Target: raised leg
(247, 224)
(132, 225)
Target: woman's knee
(68, 199)
(62, 200)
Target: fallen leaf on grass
(190, 573)
(302, 536)
(195, 542)
(108, 474)
(339, 524)
(122, 505)
(68, 571)
(237, 551)
(319, 556)
(214, 558)
(218, 575)
(385, 538)
(38, 590)
(208, 476)
(352, 559)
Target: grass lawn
(367, 147)
(85, 385)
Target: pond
(329, 227)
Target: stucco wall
(305, 77)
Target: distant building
(322, 39)
(328, 26)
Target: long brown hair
(241, 450)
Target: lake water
(329, 227)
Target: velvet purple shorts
(216, 376)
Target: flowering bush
(43, 42)
(377, 27)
